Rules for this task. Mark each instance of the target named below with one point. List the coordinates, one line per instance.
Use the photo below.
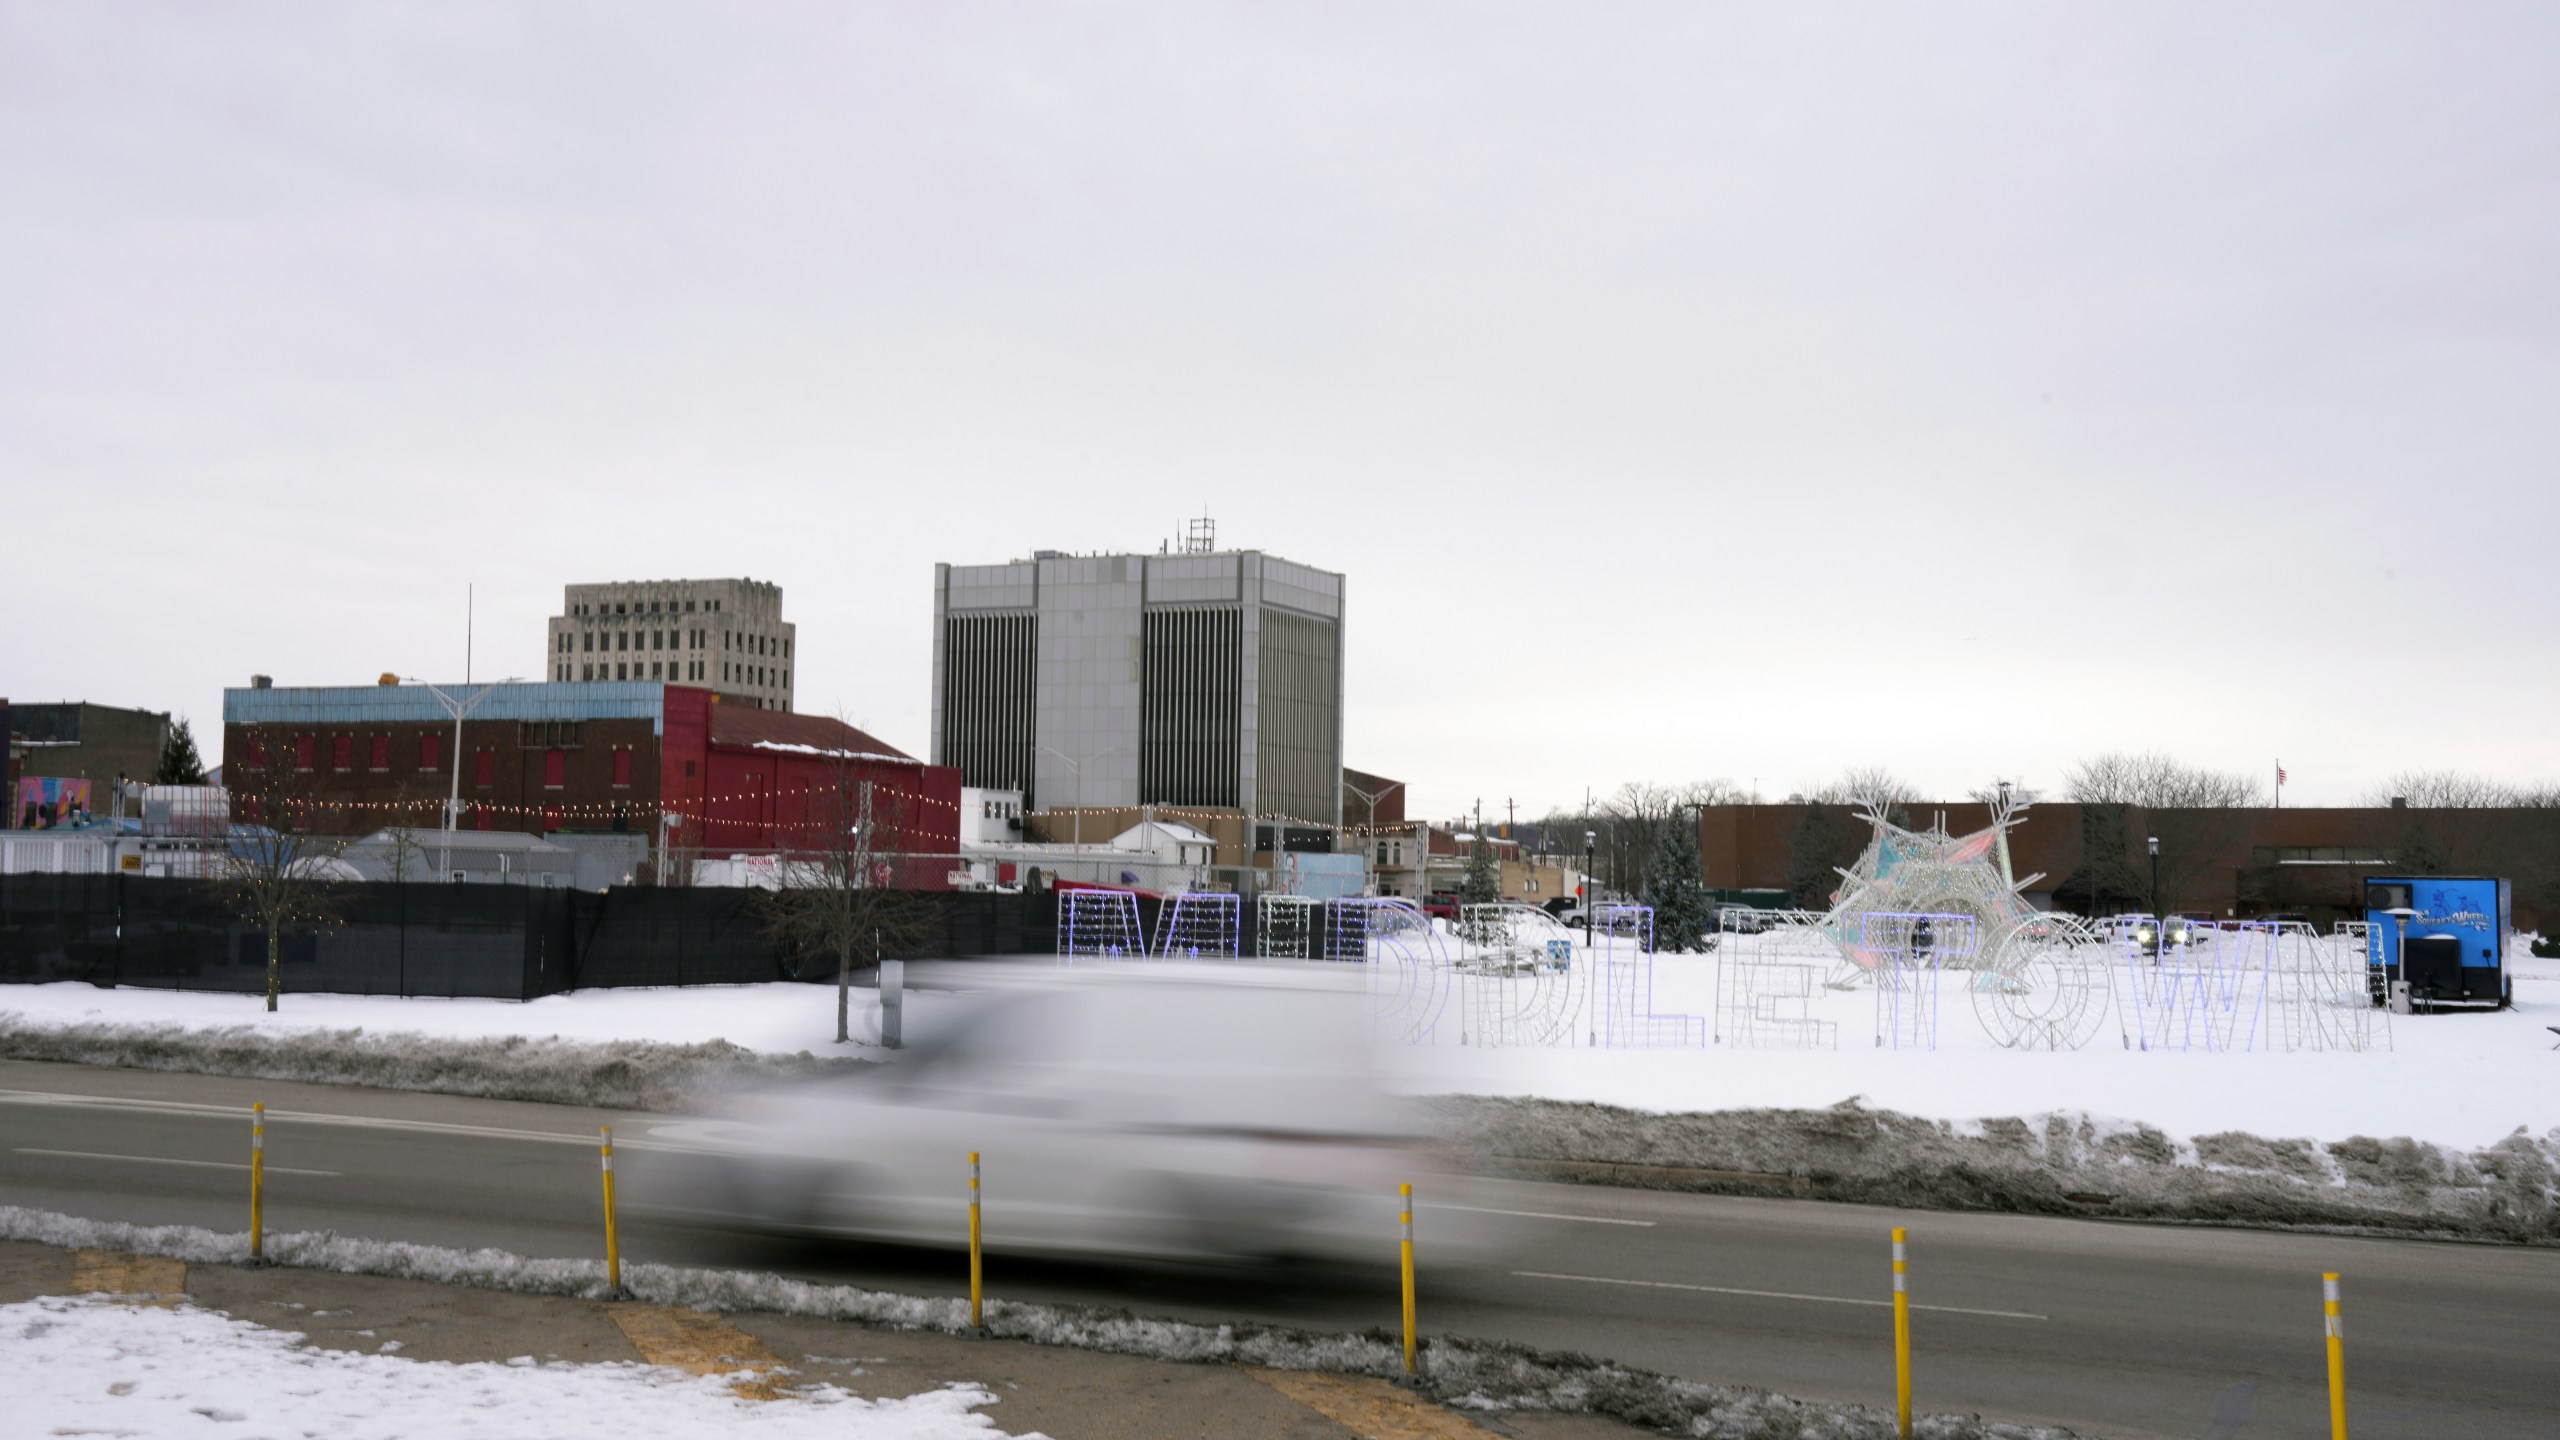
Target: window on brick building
(484, 768)
(622, 765)
(480, 816)
(550, 818)
(430, 751)
(380, 758)
(342, 752)
(555, 768)
(301, 752)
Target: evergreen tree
(1819, 840)
(1675, 885)
(179, 762)
(1482, 884)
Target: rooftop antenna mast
(1199, 537)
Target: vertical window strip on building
(988, 707)
(1191, 707)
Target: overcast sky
(1687, 390)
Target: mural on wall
(44, 802)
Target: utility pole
(1510, 816)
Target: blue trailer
(2452, 950)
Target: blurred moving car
(1208, 1110)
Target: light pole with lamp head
(1590, 882)
(458, 708)
(1369, 804)
(1076, 766)
(2155, 879)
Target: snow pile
(2055, 1164)
(84, 1368)
(616, 1075)
(1478, 1374)
(777, 1018)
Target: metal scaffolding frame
(1521, 978)
(1768, 967)
(1101, 924)
(1285, 926)
(1409, 969)
(1622, 957)
(1911, 950)
(1200, 925)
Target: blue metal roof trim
(414, 704)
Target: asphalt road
(2111, 1329)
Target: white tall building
(1206, 679)
(726, 636)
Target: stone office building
(726, 636)
(1202, 680)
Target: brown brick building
(2095, 858)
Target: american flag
(2279, 772)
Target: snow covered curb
(1474, 1374)
(612, 1075)
(2055, 1164)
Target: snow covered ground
(2461, 1080)
(84, 1367)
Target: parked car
(1175, 1110)
(1440, 906)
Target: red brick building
(667, 761)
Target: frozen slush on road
(1166, 1110)
(78, 1367)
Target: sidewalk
(1064, 1394)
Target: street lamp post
(1590, 882)
(1369, 802)
(458, 709)
(2155, 878)
(1076, 767)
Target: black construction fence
(505, 942)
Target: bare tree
(2158, 781)
(2445, 790)
(1866, 787)
(838, 880)
(279, 871)
(402, 845)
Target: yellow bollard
(612, 1234)
(1901, 1337)
(2336, 1325)
(1408, 1279)
(258, 1182)
(977, 1271)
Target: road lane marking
(1773, 1294)
(1533, 1214)
(307, 1117)
(165, 1160)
